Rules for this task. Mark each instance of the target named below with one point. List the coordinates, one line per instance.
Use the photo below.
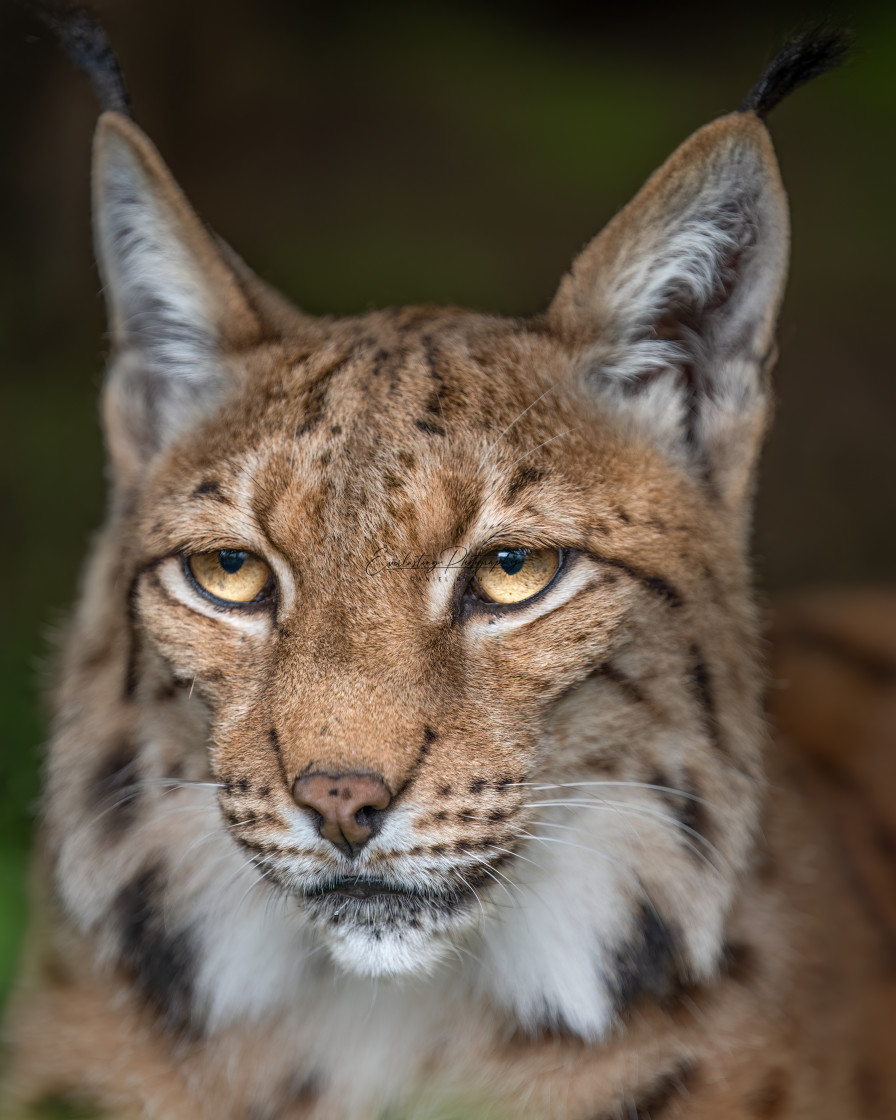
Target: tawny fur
(625, 899)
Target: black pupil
(512, 559)
(231, 559)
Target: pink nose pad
(350, 806)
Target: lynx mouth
(358, 898)
(360, 887)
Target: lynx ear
(176, 305)
(674, 303)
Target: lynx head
(433, 627)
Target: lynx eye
(512, 575)
(230, 573)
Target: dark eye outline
(469, 600)
(262, 600)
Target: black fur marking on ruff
(806, 56)
(646, 966)
(114, 789)
(84, 40)
(161, 960)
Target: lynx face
(424, 636)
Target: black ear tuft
(802, 58)
(87, 45)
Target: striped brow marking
(657, 585)
(210, 488)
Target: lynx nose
(350, 806)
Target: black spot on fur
(478, 785)
(431, 428)
(209, 488)
(802, 58)
(647, 965)
(113, 789)
(445, 790)
(392, 481)
(429, 736)
(522, 479)
(160, 958)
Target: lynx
(409, 755)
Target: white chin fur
(393, 954)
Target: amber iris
(230, 574)
(512, 575)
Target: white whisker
(514, 421)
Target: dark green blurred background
(362, 155)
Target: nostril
(368, 816)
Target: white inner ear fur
(164, 300)
(158, 301)
(684, 288)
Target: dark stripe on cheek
(657, 585)
(704, 693)
(681, 799)
(625, 684)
